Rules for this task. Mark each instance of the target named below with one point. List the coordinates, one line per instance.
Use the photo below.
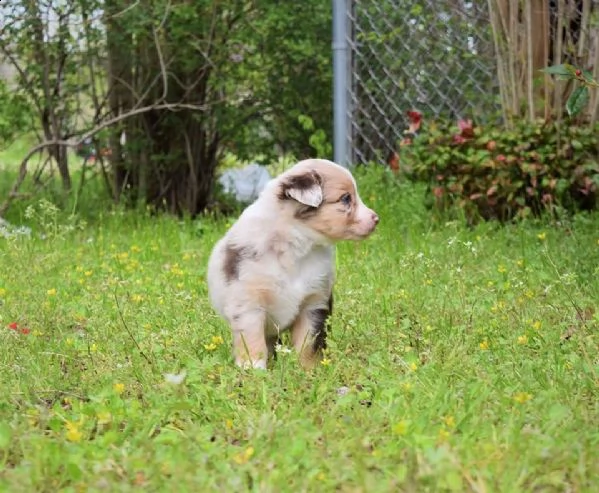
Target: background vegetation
(161, 93)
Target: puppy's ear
(305, 188)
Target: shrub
(501, 174)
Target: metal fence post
(340, 83)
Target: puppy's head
(323, 195)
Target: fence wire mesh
(434, 56)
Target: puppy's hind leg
(309, 333)
(249, 340)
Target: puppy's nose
(375, 218)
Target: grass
(459, 360)
(12, 154)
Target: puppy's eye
(345, 199)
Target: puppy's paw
(259, 364)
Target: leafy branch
(579, 97)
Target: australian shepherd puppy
(274, 269)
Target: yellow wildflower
(401, 427)
(484, 345)
(104, 417)
(51, 292)
(210, 347)
(73, 433)
(542, 236)
(444, 435)
(245, 456)
(522, 340)
(449, 421)
(325, 362)
(217, 340)
(2, 292)
(119, 388)
(522, 397)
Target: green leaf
(74, 471)
(577, 100)
(564, 70)
(416, 10)
(588, 76)
(306, 122)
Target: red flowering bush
(494, 173)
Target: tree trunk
(50, 118)
(119, 76)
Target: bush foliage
(494, 173)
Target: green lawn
(459, 360)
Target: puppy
(274, 269)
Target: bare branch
(90, 133)
(125, 10)
(162, 65)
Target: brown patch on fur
(262, 291)
(233, 258)
(336, 217)
(340, 215)
(321, 325)
(302, 181)
(305, 212)
(309, 332)
(334, 185)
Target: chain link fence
(434, 56)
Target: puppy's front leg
(309, 333)
(249, 341)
